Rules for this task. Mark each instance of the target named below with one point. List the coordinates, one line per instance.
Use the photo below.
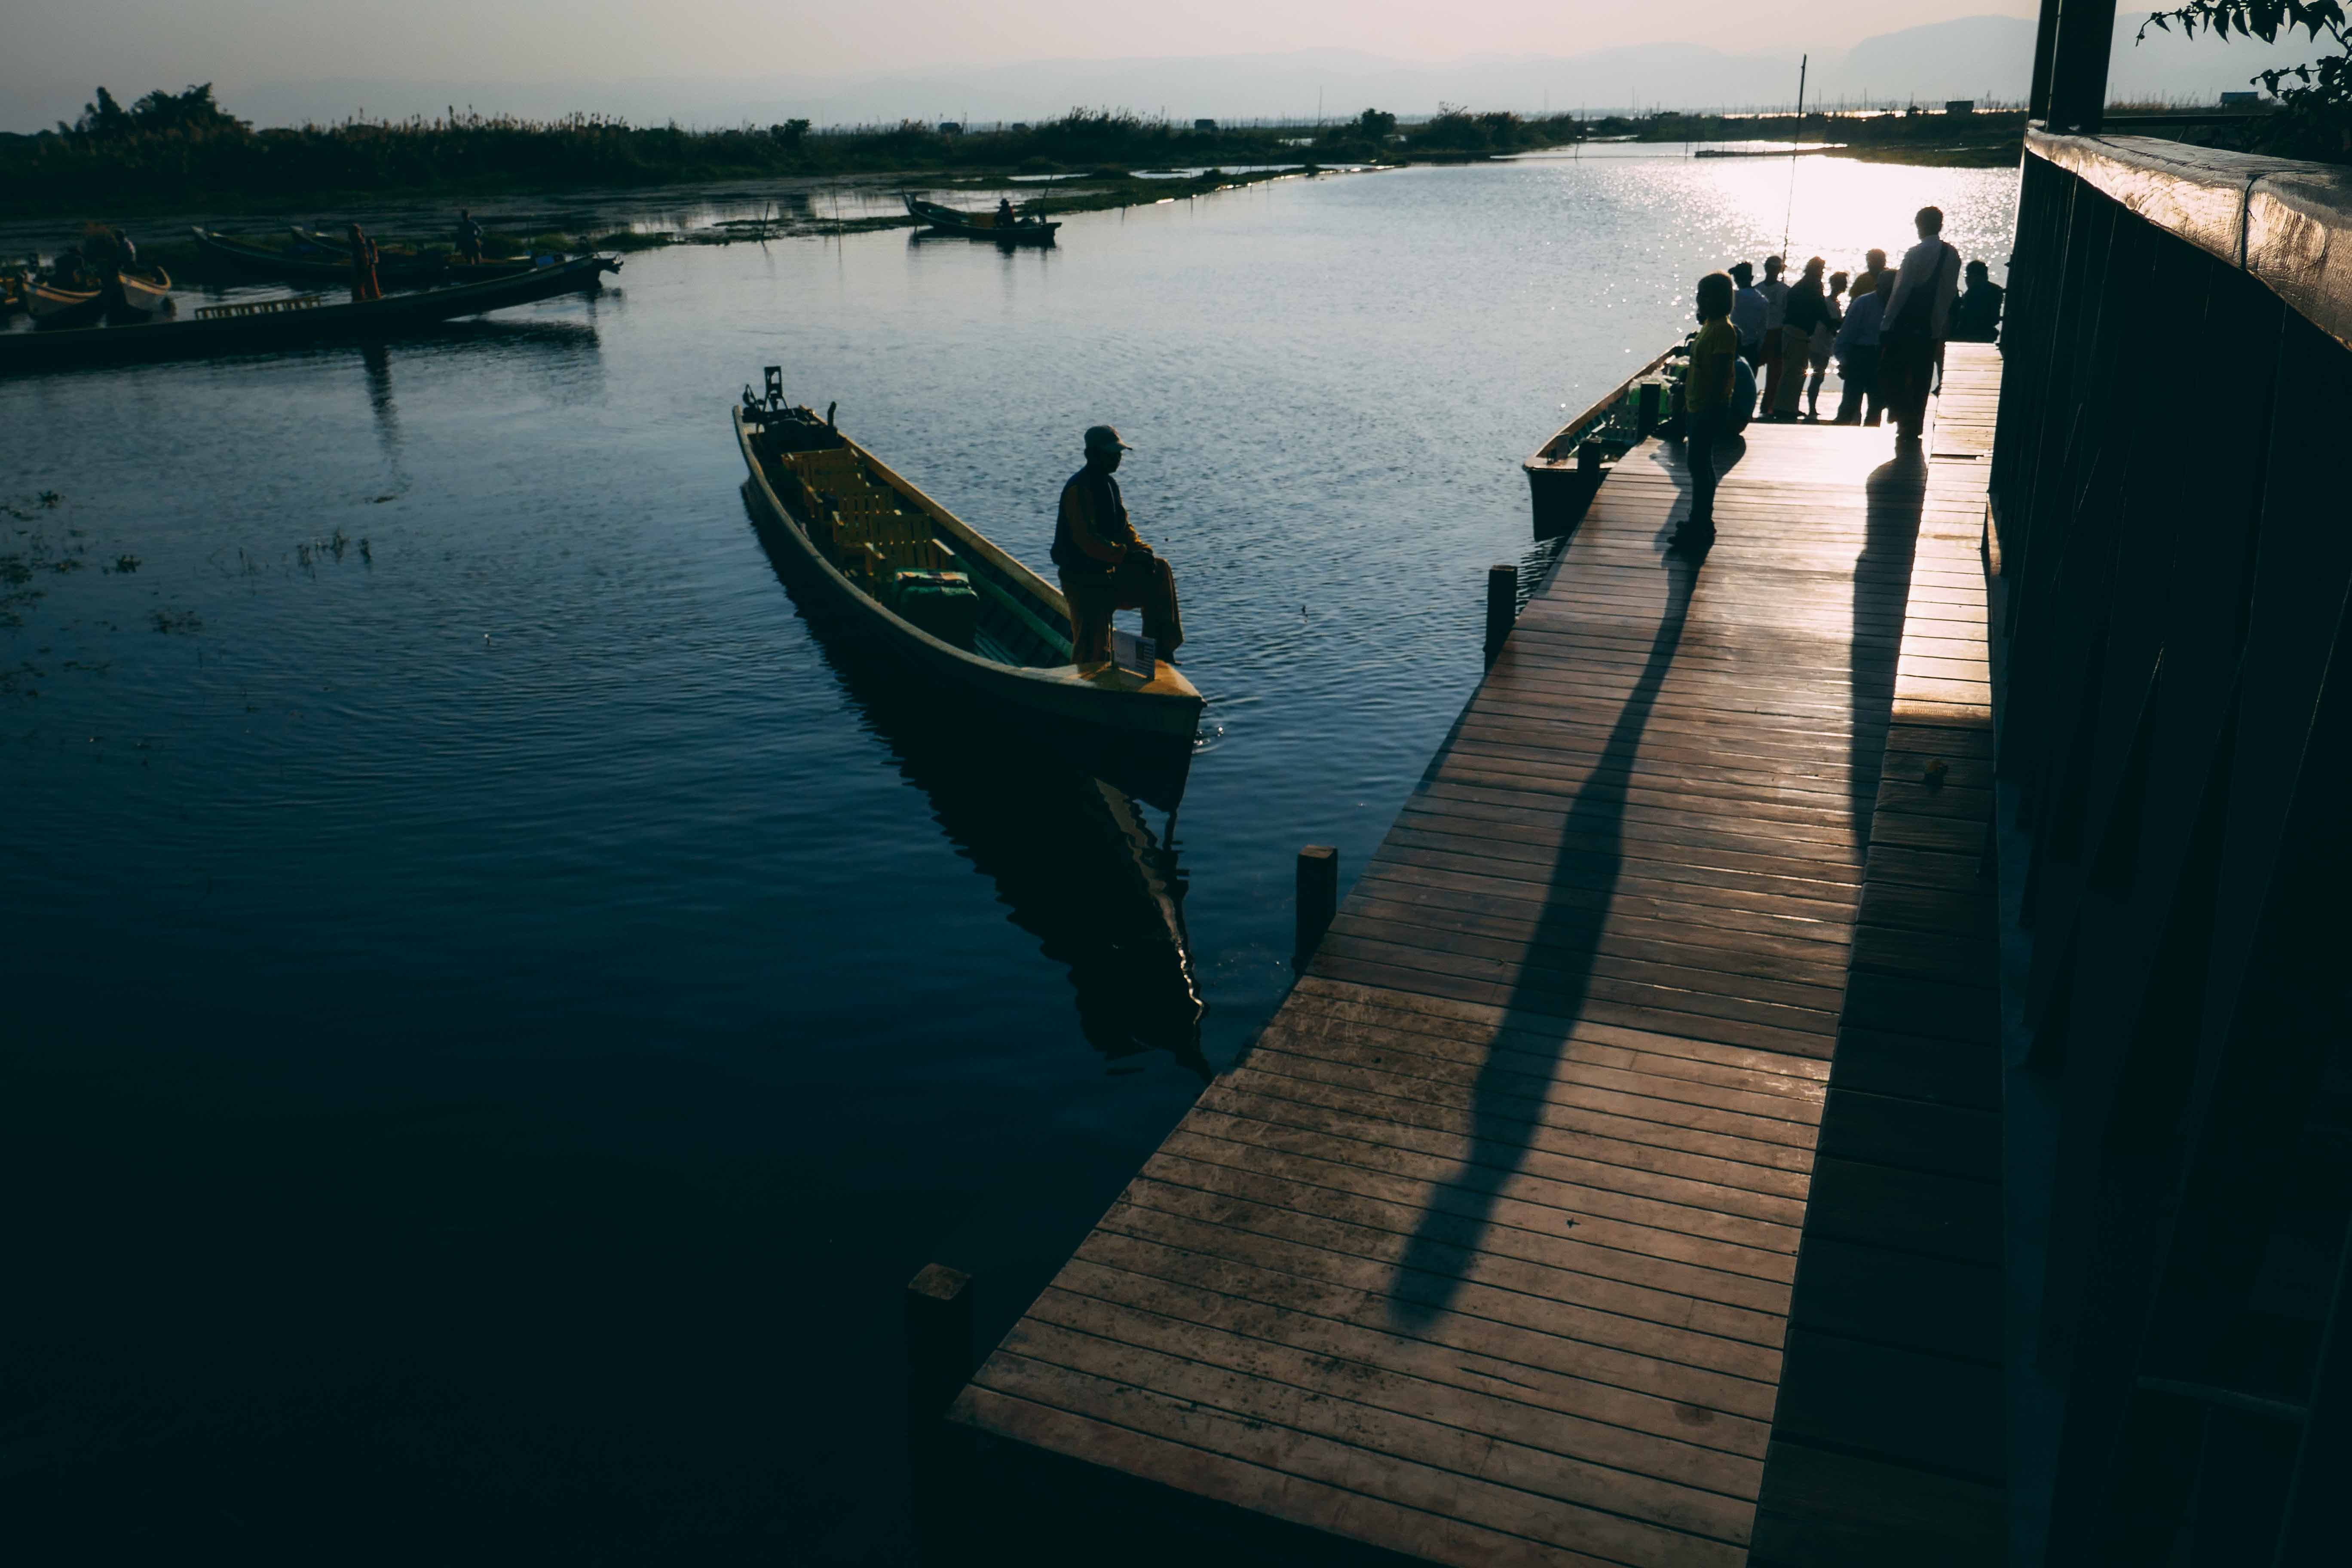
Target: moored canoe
(864, 532)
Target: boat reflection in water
(1055, 819)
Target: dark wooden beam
(2045, 39)
(2078, 66)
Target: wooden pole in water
(1502, 606)
(1318, 898)
(1796, 135)
(938, 1340)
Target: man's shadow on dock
(1893, 496)
(1556, 968)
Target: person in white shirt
(1919, 312)
(1748, 311)
(1776, 315)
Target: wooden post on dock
(1319, 897)
(1502, 606)
(940, 1362)
(938, 1340)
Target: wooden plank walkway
(1485, 1254)
(1887, 1443)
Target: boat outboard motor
(775, 387)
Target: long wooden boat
(870, 539)
(980, 226)
(54, 307)
(1563, 472)
(260, 261)
(145, 295)
(247, 326)
(455, 268)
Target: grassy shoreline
(182, 258)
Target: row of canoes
(51, 304)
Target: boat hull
(1104, 699)
(367, 320)
(970, 225)
(258, 261)
(63, 306)
(147, 295)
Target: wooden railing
(2171, 560)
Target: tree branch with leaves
(2315, 98)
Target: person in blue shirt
(1748, 312)
(1857, 353)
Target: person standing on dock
(1104, 566)
(1714, 359)
(1857, 351)
(1775, 290)
(1824, 339)
(1917, 315)
(1808, 311)
(1976, 318)
(1748, 312)
(363, 262)
(1867, 282)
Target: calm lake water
(499, 1004)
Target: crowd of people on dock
(1885, 326)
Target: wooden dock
(1486, 1253)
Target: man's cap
(1103, 438)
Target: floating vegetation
(50, 498)
(125, 562)
(14, 573)
(68, 564)
(364, 555)
(176, 621)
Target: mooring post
(1502, 606)
(939, 1363)
(1589, 457)
(1649, 406)
(1319, 897)
(938, 1340)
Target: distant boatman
(365, 257)
(1104, 565)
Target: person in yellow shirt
(1706, 401)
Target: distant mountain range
(1984, 57)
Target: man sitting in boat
(1005, 218)
(1104, 565)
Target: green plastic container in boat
(940, 603)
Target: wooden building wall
(2171, 559)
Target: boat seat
(877, 561)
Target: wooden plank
(1488, 1248)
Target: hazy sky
(131, 45)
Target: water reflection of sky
(456, 875)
